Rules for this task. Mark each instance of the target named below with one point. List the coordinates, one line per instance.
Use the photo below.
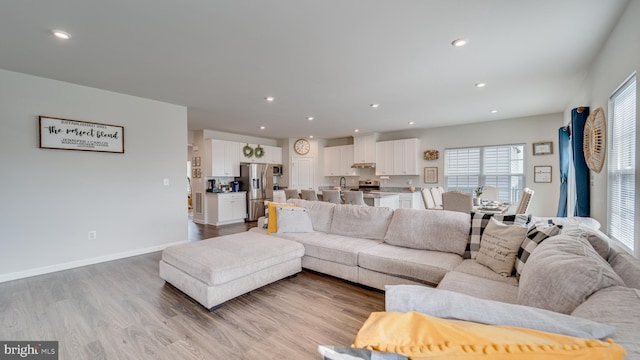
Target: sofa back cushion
(365, 222)
(627, 266)
(562, 273)
(437, 230)
(597, 239)
(321, 214)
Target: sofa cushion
(365, 222)
(596, 238)
(499, 246)
(537, 234)
(627, 266)
(562, 273)
(321, 213)
(619, 307)
(479, 222)
(567, 221)
(336, 248)
(436, 230)
(293, 219)
(479, 287)
(423, 265)
(452, 305)
(471, 267)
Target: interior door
(302, 176)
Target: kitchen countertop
(370, 195)
(224, 192)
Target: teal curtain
(564, 152)
(578, 119)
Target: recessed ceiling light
(61, 34)
(262, 128)
(411, 122)
(493, 111)
(310, 118)
(310, 136)
(459, 42)
(269, 98)
(480, 85)
(356, 130)
(375, 106)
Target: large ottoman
(215, 270)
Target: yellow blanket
(420, 336)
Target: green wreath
(259, 152)
(247, 151)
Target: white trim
(79, 263)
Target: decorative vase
(477, 201)
(412, 188)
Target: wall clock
(301, 146)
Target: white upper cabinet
(364, 149)
(384, 158)
(225, 158)
(271, 154)
(338, 161)
(397, 157)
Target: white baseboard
(78, 263)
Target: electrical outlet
(93, 235)
(409, 182)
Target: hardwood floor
(123, 310)
(200, 232)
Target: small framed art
(543, 148)
(542, 174)
(431, 175)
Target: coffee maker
(211, 184)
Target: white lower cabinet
(226, 208)
(409, 200)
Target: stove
(368, 185)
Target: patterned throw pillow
(535, 236)
(479, 222)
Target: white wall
(52, 198)
(617, 60)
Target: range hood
(363, 166)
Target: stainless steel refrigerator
(257, 181)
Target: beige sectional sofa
(575, 273)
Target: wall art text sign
(68, 134)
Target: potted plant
(477, 201)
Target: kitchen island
(382, 200)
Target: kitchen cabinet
(338, 161)
(397, 157)
(226, 208)
(364, 149)
(407, 200)
(384, 158)
(225, 158)
(272, 155)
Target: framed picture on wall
(543, 148)
(542, 174)
(431, 175)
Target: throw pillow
(535, 236)
(272, 225)
(293, 219)
(479, 222)
(562, 273)
(420, 336)
(456, 306)
(499, 246)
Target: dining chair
(427, 199)
(525, 200)
(437, 197)
(490, 193)
(354, 198)
(308, 194)
(457, 201)
(332, 196)
(279, 196)
(291, 194)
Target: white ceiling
(325, 58)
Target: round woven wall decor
(595, 140)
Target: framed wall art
(543, 148)
(542, 174)
(65, 134)
(431, 175)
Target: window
(622, 164)
(501, 166)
